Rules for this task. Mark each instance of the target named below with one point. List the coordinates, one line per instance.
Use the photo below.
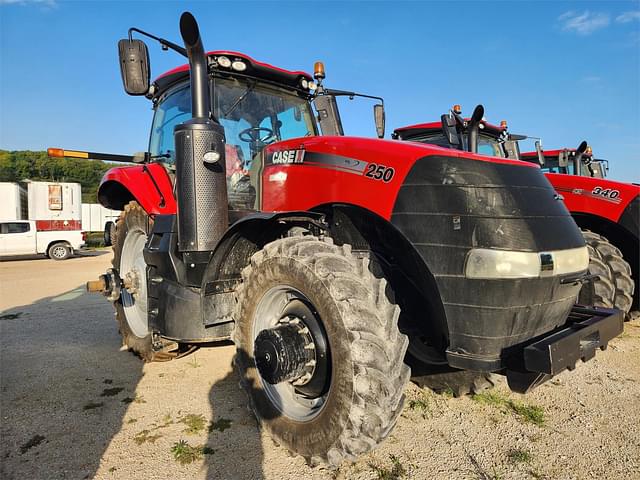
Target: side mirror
(449, 129)
(563, 158)
(134, 66)
(378, 114)
(540, 153)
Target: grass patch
(146, 436)
(394, 472)
(33, 442)
(220, 425)
(193, 363)
(92, 405)
(528, 413)
(95, 239)
(111, 392)
(517, 455)
(195, 423)
(420, 405)
(185, 453)
(132, 420)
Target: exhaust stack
(201, 185)
(474, 123)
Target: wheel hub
(286, 353)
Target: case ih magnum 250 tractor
(608, 212)
(324, 257)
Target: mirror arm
(165, 43)
(344, 93)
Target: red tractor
(608, 212)
(325, 257)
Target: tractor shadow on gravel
(63, 386)
(234, 434)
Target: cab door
(17, 238)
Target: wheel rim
(132, 265)
(59, 252)
(284, 396)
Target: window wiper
(240, 99)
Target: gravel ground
(74, 406)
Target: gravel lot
(74, 406)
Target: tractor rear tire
(615, 287)
(133, 227)
(366, 375)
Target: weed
(195, 423)
(528, 413)
(447, 392)
(139, 399)
(33, 442)
(112, 469)
(132, 420)
(421, 404)
(111, 392)
(395, 472)
(221, 425)
(92, 405)
(194, 362)
(145, 436)
(185, 453)
(518, 455)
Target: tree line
(16, 166)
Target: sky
(563, 71)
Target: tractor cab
(255, 103)
(453, 132)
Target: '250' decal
(380, 172)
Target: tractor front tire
(133, 227)
(615, 287)
(365, 377)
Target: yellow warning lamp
(318, 71)
(589, 150)
(503, 124)
(457, 109)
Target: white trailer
(13, 203)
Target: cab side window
(173, 110)
(14, 227)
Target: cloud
(583, 23)
(43, 3)
(627, 17)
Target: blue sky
(565, 71)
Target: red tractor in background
(325, 257)
(607, 211)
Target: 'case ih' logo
(287, 157)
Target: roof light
(503, 124)
(457, 109)
(312, 85)
(239, 66)
(589, 150)
(318, 70)
(305, 83)
(224, 61)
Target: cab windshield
(487, 145)
(253, 115)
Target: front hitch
(109, 284)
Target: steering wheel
(252, 135)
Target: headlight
(224, 62)
(488, 263)
(239, 66)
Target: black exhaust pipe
(201, 186)
(473, 126)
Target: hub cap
(133, 270)
(59, 252)
(291, 353)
